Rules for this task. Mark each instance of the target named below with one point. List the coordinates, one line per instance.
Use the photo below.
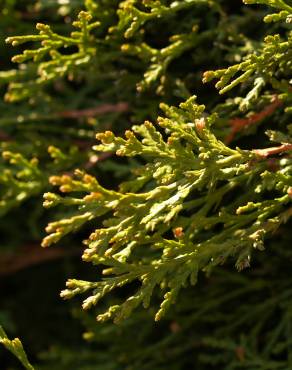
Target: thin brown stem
(264, 153)
(95, 111)
(238, 124)
(31, 255)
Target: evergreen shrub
(186, 218)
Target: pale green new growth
(15, 347)
(160, 59)
(276, 54)
(267, 66)
(202, 186)
(20, 181)
(278, 4)
(196, 201)
(131, 19)
(180, 191)
(49, 62)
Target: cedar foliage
(171, 205)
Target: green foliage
(182, 189)
(169, 201)
(60, 64)
(229, 325)
(15, 347)
(274, 56)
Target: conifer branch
(43, 71)
(15, 347)
(187, 176)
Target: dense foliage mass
(167, 207)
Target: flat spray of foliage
(172, 219)
(192, 199)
